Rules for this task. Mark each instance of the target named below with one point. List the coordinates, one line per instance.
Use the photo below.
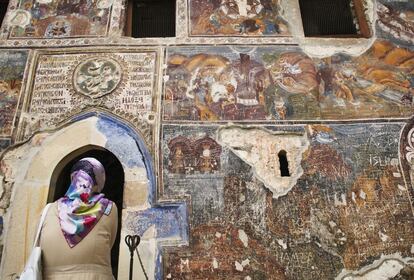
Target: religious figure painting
(60, 18)
(237, 18)
(272, 83)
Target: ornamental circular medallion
(97, 76)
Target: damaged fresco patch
(164, 225)
(60, 18)
(12, 65)
(348, 208)
(274, 83)
(237, 17)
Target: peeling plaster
(260, 147)
(243, 238)
(387, 267)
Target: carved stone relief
(97, 77)
(65, 85)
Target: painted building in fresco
(193, 129)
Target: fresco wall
(12, 66)
(349, 207)
(283, 83)
(246, 155)
(60, 18)
(237, 17)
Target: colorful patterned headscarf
(83, 204)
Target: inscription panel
(66, 84)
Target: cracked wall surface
(198, 121)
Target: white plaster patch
(184, 265)
(243, 238)
(383, 236)
(245, 262)
(401, 188)
(282, 243)
(362, 194)
(387, 267)
(341, 201)
(215, 263)
(238, 265)
(260, 148)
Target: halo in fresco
(97, 77)
(20, 18)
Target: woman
(80, 228)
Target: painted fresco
(12, 65)
(349, 213)
(237, 17)
(60, 18)
(4, 143)
(396, 21)
(275, 83)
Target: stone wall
(198, 123)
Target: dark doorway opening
(284, 165)
(3, 9)
(333, 18)
(113, 189)
(151, 18)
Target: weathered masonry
(244, 139)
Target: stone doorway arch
(30, 166)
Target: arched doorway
(35, 175)
(113, 189)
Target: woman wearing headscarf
(80, 228)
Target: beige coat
(88, 260)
